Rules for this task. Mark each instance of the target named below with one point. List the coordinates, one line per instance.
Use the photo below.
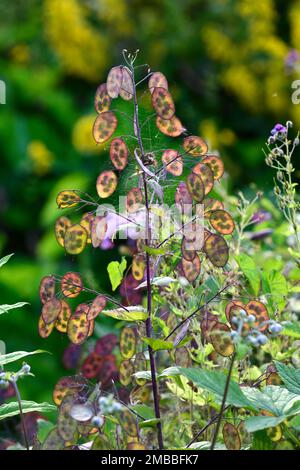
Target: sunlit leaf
(104, 126)
(171, 127)
(127, 314)
(216, 165)
(157, 79)
(134, 200)
(61, 226)
(126, 370)
(118, 153)
(102, 99)
(51, 310)
(206, 175)
(127, 343)
(162, 102)
(196, 187)
(172, 161)
(116, 272)
(114, 81)
(216, 249)
(138, 267)
(75, 239)
(78, 327)
(194, 146)
(97, 306)
(71, 284)
(16, 356)
(63, 317)
(106, 183)
(126, 90)
(192, 268)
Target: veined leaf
(137, 313)
(291, 329)
(257, 423)
(12, 409)
(16, 356)
(214, 382)
(290, 376)
(5, 308)
(276, 400)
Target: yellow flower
(82, 137)
(40, 156)
(80, 47)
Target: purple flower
(261, 216)
(278, 128)
(261, 234)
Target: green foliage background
(225, 62)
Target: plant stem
(14, 384)
(212, 421)
(223, 403)
(182, 322)
(148, 275)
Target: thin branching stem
(214, 439)
(148, 274)
(16, 388)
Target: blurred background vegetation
(230, 65)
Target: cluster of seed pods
(57, 313)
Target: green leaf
(143, 374)
(154, 251)
(137, 313)
(274, 283)
(116, 272)
(5, 259)
(12, 409)
(261, 441)
(5, 308)
(15, 356)
(44, 427)
(277, 400)
(143, 410)
(249, 269)
(158, 344)
(290, 377)
(149, 423)
(215, 383)
(257, 423)
(295, 422)
(292, 330)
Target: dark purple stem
(148, 277)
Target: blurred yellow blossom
(115, 13)
(40, 156)
(81, 48)
(216, 138)
(82, 137)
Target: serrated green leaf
(130, 314)
(277, 400)
(214, 382)
(17, 355)
(12, 409)
(116, 272)
(290, 377)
